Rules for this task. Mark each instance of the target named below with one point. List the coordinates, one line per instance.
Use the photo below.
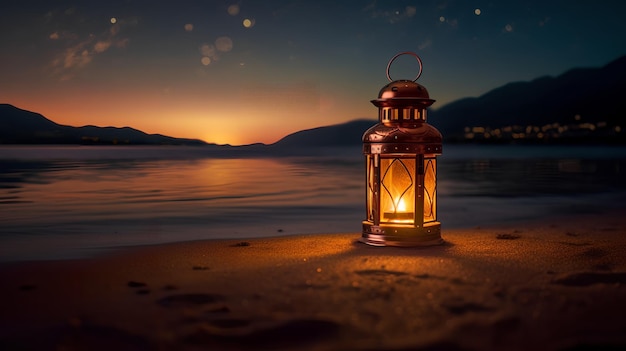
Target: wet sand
(559, 284)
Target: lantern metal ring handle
(419, 60)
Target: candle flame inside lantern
(400, 206)
(399, 213)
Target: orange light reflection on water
(202, 189)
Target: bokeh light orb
(233, 10)
(248, 23)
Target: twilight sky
(246, 71)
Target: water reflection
(530, 177)
(65, 200)
(200, 191)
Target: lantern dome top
(400, 90)
(403, 89)
(403, 93)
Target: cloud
(391, 16)
(80, 53)
(425, 44)
(76, 58)
(410, 11)
(101, 46)
(122, 43)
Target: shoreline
(550, 284)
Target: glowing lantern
(400, 154)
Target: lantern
(401, 167)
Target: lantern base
(393, 235)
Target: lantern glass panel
(371, 187)
(397, 193)
(430, 190)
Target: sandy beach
(558, 284)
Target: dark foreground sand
(557, 285)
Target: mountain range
(19, 126)
(583, 104)
(581, 96)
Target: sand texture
(556, 285)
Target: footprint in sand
(506, 236)
(379, 272)
(230, 323)
(594, 253)
(136, 284)
(591, 278)
(463, 307)
(283, 335)
(189, 300)
(27, 287)
(140, 286)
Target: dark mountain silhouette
(327, 140)
(19, 126)
(581, 105)
(580, 96)
(345, 134)
(595, 95)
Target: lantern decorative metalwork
(401, 167)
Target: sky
(239, 72)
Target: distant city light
(206, 60)
(188, 27)
(113, 20)
(508, 28)
(477, 12)
(442, 19)
(548, 131)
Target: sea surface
(78, 201)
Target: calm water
(63, 202)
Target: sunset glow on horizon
(241, 73)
